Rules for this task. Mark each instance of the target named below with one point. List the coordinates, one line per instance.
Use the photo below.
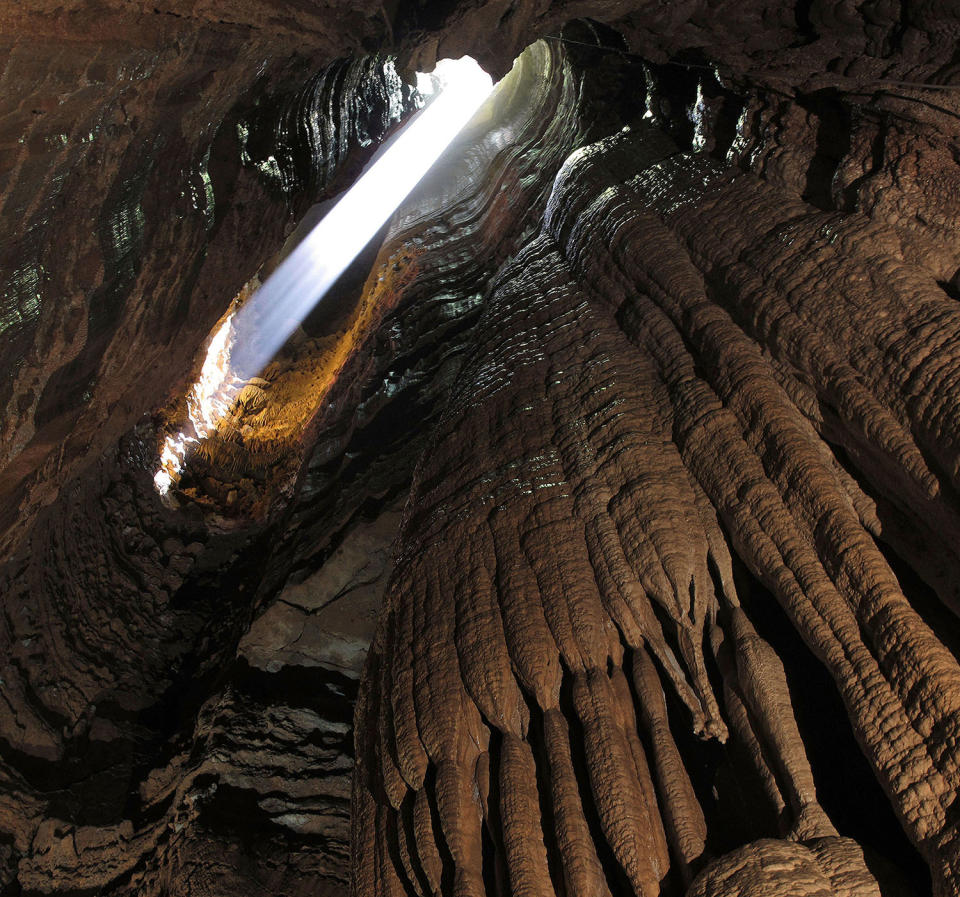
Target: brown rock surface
(670, 605)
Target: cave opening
(314, 262)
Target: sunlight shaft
(250, 337)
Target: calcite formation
(631, 444)
(645, 397)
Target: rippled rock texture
(691, 395)
(670, 606)
(221, 755)
(128, 195)
(121, 616)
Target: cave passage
(250, 335)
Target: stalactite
(638, 412)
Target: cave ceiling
(597, 534)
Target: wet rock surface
(670, 605)
(129, 235)
(160, 766)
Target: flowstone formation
(221, 756)
(686, 369)
(631, 443)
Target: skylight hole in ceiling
(246, 341)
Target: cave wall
(135, 771)
(124, 195)
(132, 166)
(178, 708)
(673, 377)
(720, 378)
(134, 600)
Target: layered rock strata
(117, 265)
(684, 524)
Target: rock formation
(631, 443)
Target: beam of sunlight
(249, 338)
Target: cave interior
(595, 531)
